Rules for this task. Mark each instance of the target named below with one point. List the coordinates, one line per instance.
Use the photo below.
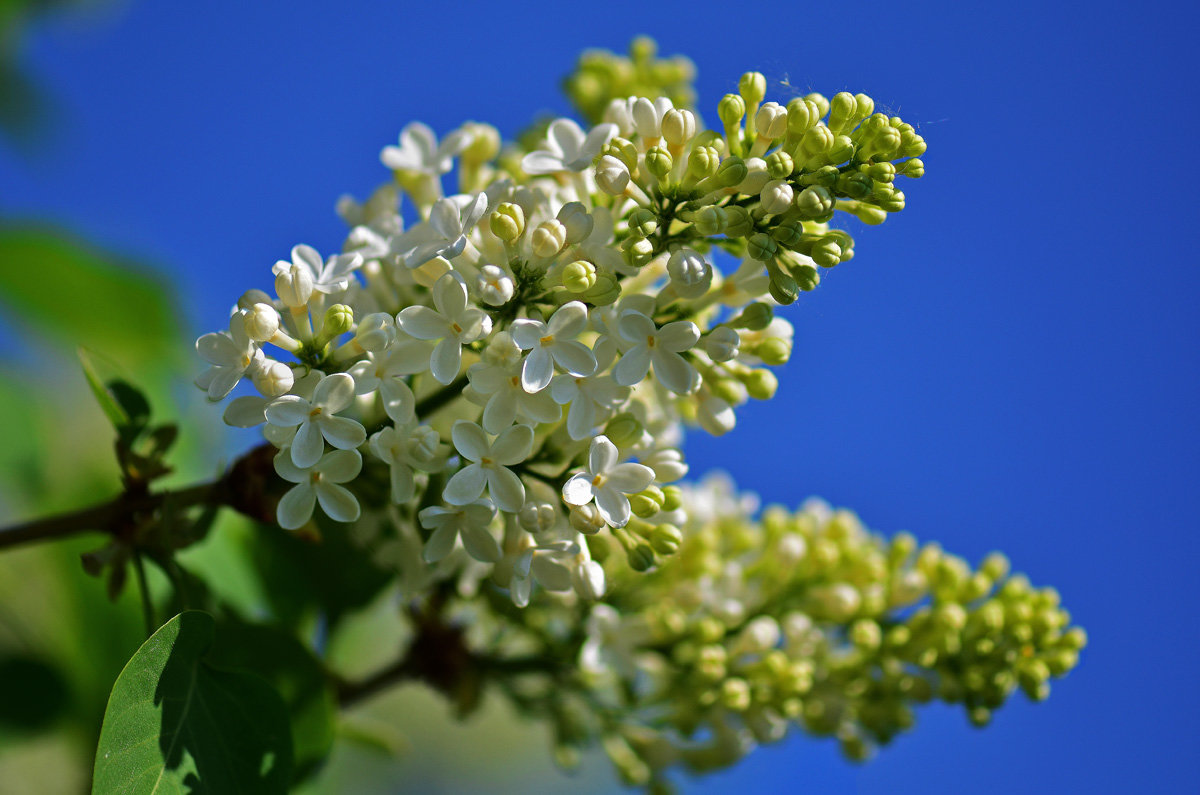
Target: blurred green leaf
(296, 675)
(108, 401)
(173, 721)
(99, 299)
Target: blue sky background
(1010, 363)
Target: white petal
(217, 349)
(223, 382)
(581, 419)
(569, 321)
(446, 360)
(423, 323)
(444, 220)
(578, 490)
(246, 411)
(466, 485)
(551, 574)
(500, 412)
(513, 446)
(537, 370)
(403, 486)
(630, 478)
(602, 455)
(679, 336)
(470, 441)
(519, 590)
(307, 446)
(635, 327)
(337, 502)
(472, 212)
(398, 400)
(450, 295)
(527, 333)
(288, 411)
(633, 366)
(673, 371)
(507, 490)
(289, 471)
(341, 432)
(440, 543)
(307, 257)
(564, 388)
(334, 393)
(340, 466)
(541, 162)
(574, 357)
(480, 544)
(296, 507)
(613, 505)
(541, 407)
(566, 136)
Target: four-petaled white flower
(420, 153)
(607, 482)
(318, 482)
(553, 343)
(317, 419)
(327, 276)
(445, 233)
(500, 383)
(232, 355)
(454, 323)
(659, 347)
(385, 373)
(590, 398)
(403, 448)
(568, 148)
(548, 564)
(470, 521)
(489, 465)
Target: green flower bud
(783, 288)
(753, 87)
(672, 498)
(867, 213)
(623, 430)
(774, 351)
(738, 222)
(638, 251)
(579, 276)
(735, 694)
(665, 539)
(866, 634)
(866, 106)
(881, 172)
(729, 390)
(911, 145)
(979, 716)
(643, 222)
(842, 109)
(641, 557)
(817, 140)
(704, 161)
(841, 150)
(1062, 661)
(951, 616)
(508, 222)
(780, 164)
(731, 110)
(659, 162)
(761, 247)
(755, 317)
(339, 319)
(623, 150)
(788, 235)
(709, 221)
(485, 143)
(814, 202)
(826, 252)
(820, 101)
(732, 171)
(761, 384)
(856, 185)
(647, 503)
(914, 168)
(605, 291)
(802, 114)
(892, 202)
(825, 177)
(1074, 638)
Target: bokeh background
(1009, 364)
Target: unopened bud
(753, 87)
(508, 222)
(586, 519)
(261, 322)
(643, 222)
(665, 539)
(774, 351)
(761, 384)
(641, 557)
(549, 238)
(623, 430)
(339, 319)
(273, 379)
(612, 176)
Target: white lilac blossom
(568, 148)
(316, 420)
(553, 343)
(231, 355)
(489, 465)
(445, 233)
(470, 522)
(453, 323)
(318, 482)
(660, 348)
(607, 482)
(419, 151)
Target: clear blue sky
(1011, 363)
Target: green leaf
(98, 298)
(109, 404)
(176, 724)
(296, 675)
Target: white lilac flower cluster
(520, 360)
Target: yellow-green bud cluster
(601, 76)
